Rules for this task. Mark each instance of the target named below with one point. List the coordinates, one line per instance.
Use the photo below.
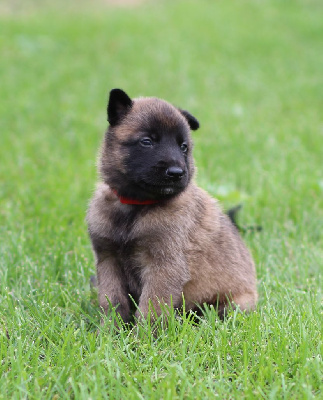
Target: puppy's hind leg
(244, 302)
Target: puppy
(157, 236)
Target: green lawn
(252, 73)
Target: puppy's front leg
(162, 284)
(112, 285)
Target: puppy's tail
(233, 213)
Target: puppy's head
(147, 151)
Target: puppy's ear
(192, 121)
(118, 106)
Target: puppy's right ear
(118, 106)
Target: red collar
(126, 200)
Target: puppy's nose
(175, 172)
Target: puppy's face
(147, 153)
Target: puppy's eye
(146, 142)
(184, 147)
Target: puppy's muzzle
(175, 173)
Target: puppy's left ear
(192, 121)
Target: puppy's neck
(127, 200)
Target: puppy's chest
(125, 236)
(122, 223)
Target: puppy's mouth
(164, 189)
(167, 190)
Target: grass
(251, 72)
